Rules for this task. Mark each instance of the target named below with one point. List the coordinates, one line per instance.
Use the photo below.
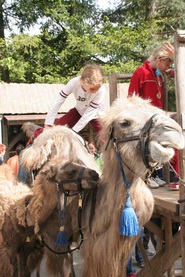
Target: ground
(78, 264)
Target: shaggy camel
(26, 212)
(143, 136)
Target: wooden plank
(145, 257)
(166, 199)
(21, 119)
(163, 260)
(168, 241)
(179, 39)
(165, 213)
(155, 229)
(16, 139)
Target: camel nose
(94, 175)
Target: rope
(127, 184)
(177, 174)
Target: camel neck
(41, 205)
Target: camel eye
(125, 124)
(71, 173)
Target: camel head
(142, 133)
(57, 141)
(70, 175)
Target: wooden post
(179, 38)
(113, 87)
(166, 171)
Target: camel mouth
(178, 145)
(90, 185)
(161, 153)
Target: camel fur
(58, 140)
(105, 251)
(28, 211)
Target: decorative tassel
(129, 225)
(62, 238)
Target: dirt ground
(78, 265)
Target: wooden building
(20, 103)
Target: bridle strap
(118, 140)
(77, 181)
(143, 138)
(79, 229)
(69, 250)
(61, 214)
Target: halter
(67, 194)
(143, 138)
(129, 225)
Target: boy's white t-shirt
(87, 104)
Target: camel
(27, 212)
(139, 137)
(144, 136)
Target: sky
(105, 3)
(101, 3)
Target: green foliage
(75, 32)
(171, 95)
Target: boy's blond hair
(92, 75)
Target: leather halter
(77, 181)
(67, 194)
(143, 138)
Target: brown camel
(58, 141)
(138, 137)
(29, 212)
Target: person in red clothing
(147, 82)
(13, 162)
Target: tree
(61, 22)
(73, 33)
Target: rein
(77, 181)
(129, 225)
(62, 213)
(79, 228)
(143, 138)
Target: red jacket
(144, 83)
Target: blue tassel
(62, 238)
(129, 225)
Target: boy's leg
(69, 119)
(97, 125)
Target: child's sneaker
(160, 182)
(151, 183)
(174, 186)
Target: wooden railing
(113, 80)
